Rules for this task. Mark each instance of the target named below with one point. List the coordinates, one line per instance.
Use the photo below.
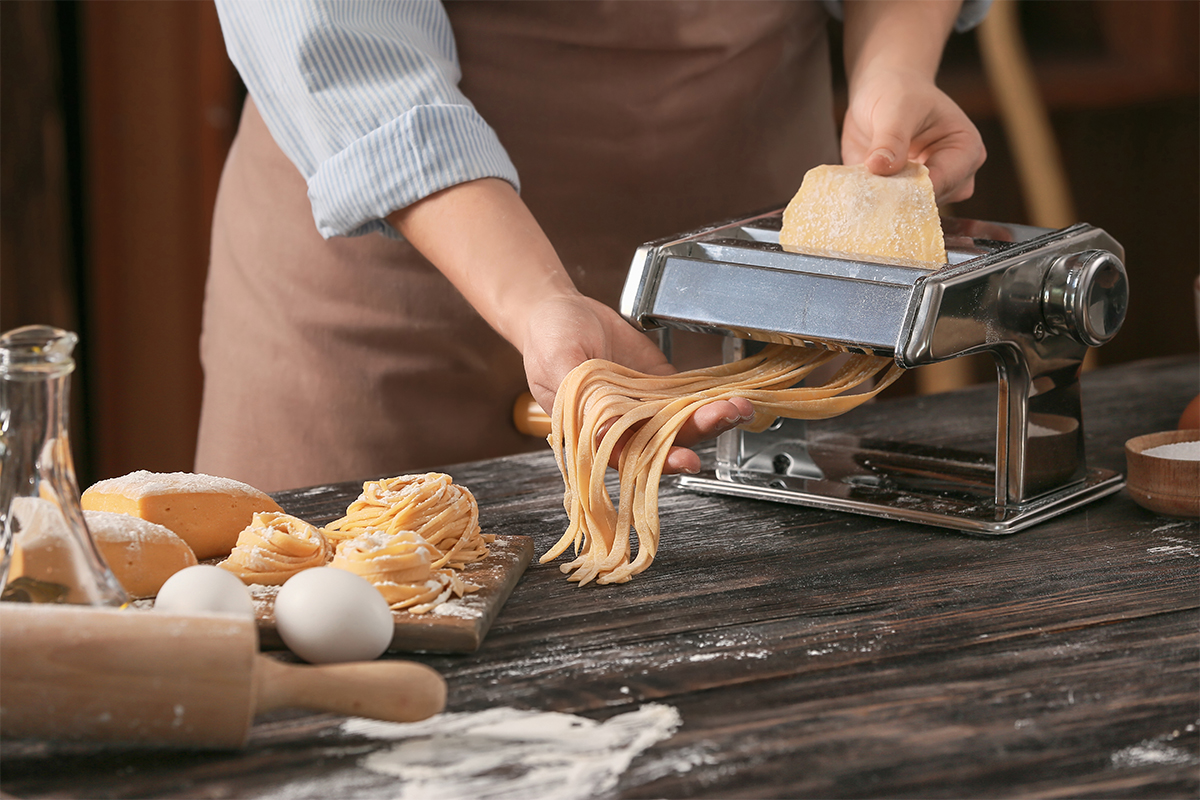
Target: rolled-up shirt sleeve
(362, 96)
(970, 14)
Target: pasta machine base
(1035, 299)
(943, 487)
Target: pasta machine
(1035, 299)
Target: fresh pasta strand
(444, 514)
(599, 393)
(274, 547)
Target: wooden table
(808, 653)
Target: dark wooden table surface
(808, 653)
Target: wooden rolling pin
(110, 675)
(529, 418)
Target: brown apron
(351, 358)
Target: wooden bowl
(1169, 486)
(1053, 454)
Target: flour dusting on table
(1150, 754)
(511, 753)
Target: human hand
(569, 329)
(896, 113)
(482, 237)
(895, 117)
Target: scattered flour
(469, 606)
(143, 483)
(1176, 548)
(263, 597)
(1156, 751)
(1149, 753)
(507, 753)
(316, 490)
(676, 763)
(1171, 525)
(871, 643)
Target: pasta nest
(274, 547)
(401, 566)
(442, 513)
(602, 396)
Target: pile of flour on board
(511, 753)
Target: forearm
(896, 112)
(901, 35)
(366, 119)
(481, 236)
(484, 240)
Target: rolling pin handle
(530, 418)
(395, 691)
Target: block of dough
(848, 211)
(141, 554)
(205, 511)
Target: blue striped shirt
(362, 96)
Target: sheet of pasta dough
(848, 211)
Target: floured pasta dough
(401, 566)
(848, 211)
(599, 393)
(274, 547)
(444, 514)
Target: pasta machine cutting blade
(1035, 299)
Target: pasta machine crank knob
(1085, 296)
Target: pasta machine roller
(1035, 299)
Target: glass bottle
(49, 554)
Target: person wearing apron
(333, 347)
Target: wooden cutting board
(457, 626)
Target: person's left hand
(895, 116)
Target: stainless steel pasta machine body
(1035, 299)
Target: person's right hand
(896, 112)
(895, 117)
(566, 330)
(482, 237)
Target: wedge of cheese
(205, 511)
(848, 211)
(141, 554)
(44, 550)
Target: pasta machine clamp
(1035, 299)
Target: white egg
(204, 588)
(326, 615)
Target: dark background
(115, 119)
